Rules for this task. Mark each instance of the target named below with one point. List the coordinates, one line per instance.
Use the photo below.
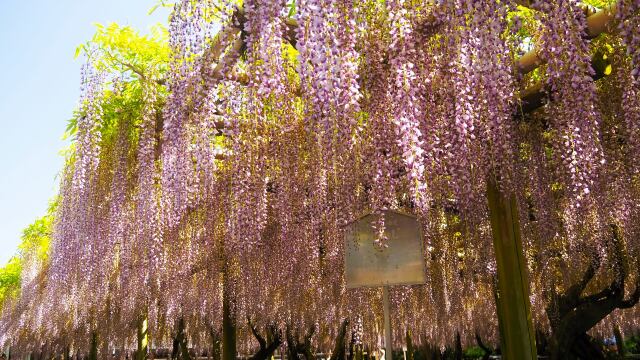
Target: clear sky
(39, 88)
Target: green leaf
(153, 9)
(292, 8)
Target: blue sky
(39, 88)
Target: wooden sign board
(400, 263)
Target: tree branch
(339, 350)
(482, 346)
(261, 340)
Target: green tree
(33, 251)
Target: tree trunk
(542, 341)
(215, 345)
(175, 349)
(339, 351)
(487, 351)
(93, 352)
(409, 341)
(619, 341)
(292, 351)
(432, 352)
(268, 346)
(457, 355)
(571, 314)
(295, 346)
(228, 324)
(180, 343)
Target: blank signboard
(400, 263)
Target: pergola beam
(532, 98)
(597, 23)
(537, 95)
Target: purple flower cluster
(233, 189)
(573, 115)
(629, 27)
(328, 68)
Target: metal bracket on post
(514, 313)
(388, 348)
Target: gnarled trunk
(571, 314)
(93, 352)
(180, 346)
(487, 351)
(269, 345)
(295, 346)
(409, 341)
(216, 353)
(339, 351)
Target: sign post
(401, 262)
(387, 323)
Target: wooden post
(143, 339)
(388, 345)
(517, 336)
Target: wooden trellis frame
(532, 98)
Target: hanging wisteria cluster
(230, 189)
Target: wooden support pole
(388, 343)
(517, 335)
(143, 339)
